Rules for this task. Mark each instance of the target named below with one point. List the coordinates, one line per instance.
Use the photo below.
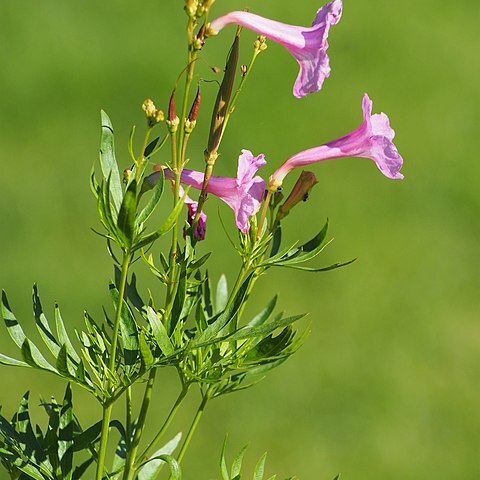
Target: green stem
(151, 446)
(129, 472)
(141, 158)
(107, 405)
(128, 416)
(263, 215)
(196, 420)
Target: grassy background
(387, 385)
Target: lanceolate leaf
(63, 338)
(260, 468)
(108, 161)
(13, 362)
(166, 227)
(221, 294)
(34, 358)
(151, 469)
(43, 326)
(263, 316)
(154, 199)
(129, 332)
(160, 333)
(65, 436)
(225, 317)
(266, 329)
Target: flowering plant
(184, 323)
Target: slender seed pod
(171, 108)
(223, 99)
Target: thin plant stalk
(129, 472)
(108, 405)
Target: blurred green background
(387, 384)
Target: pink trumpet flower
(372, 139)
(307, 44)
(242, 194)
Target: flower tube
(372, 139)
(307, 44)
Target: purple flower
(242, 194)
(372, 139)
(307, 44)
(192, 207)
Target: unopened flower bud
(173, 124)
(200, 38)
(299, 193)
(127, 175)
(244, 69)
(216, 70)
(153, 114)
(191, 7)
(149, 108)
(260, 44)
(192, 116)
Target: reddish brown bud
(171, 108)
(192, 116)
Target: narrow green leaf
(13, 327)
(276, 241)
(319, 269)
(263, 316)
(43, 325)
(225, 317)
(63, 338)
(34, 358)
(316, 241)
(223, 461)
(151, 147)
(166, 227)
(266, 329)
(145, 352)
(130, 144)
(82, 468)
(160, 333)
(154, 199)
(126, 215)
(129, 332)
(152, 468)
(221, 297)
(237, 463)
(108, 161)
(13, 362)
(87, 438)
(260, 468)
(65, 436)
